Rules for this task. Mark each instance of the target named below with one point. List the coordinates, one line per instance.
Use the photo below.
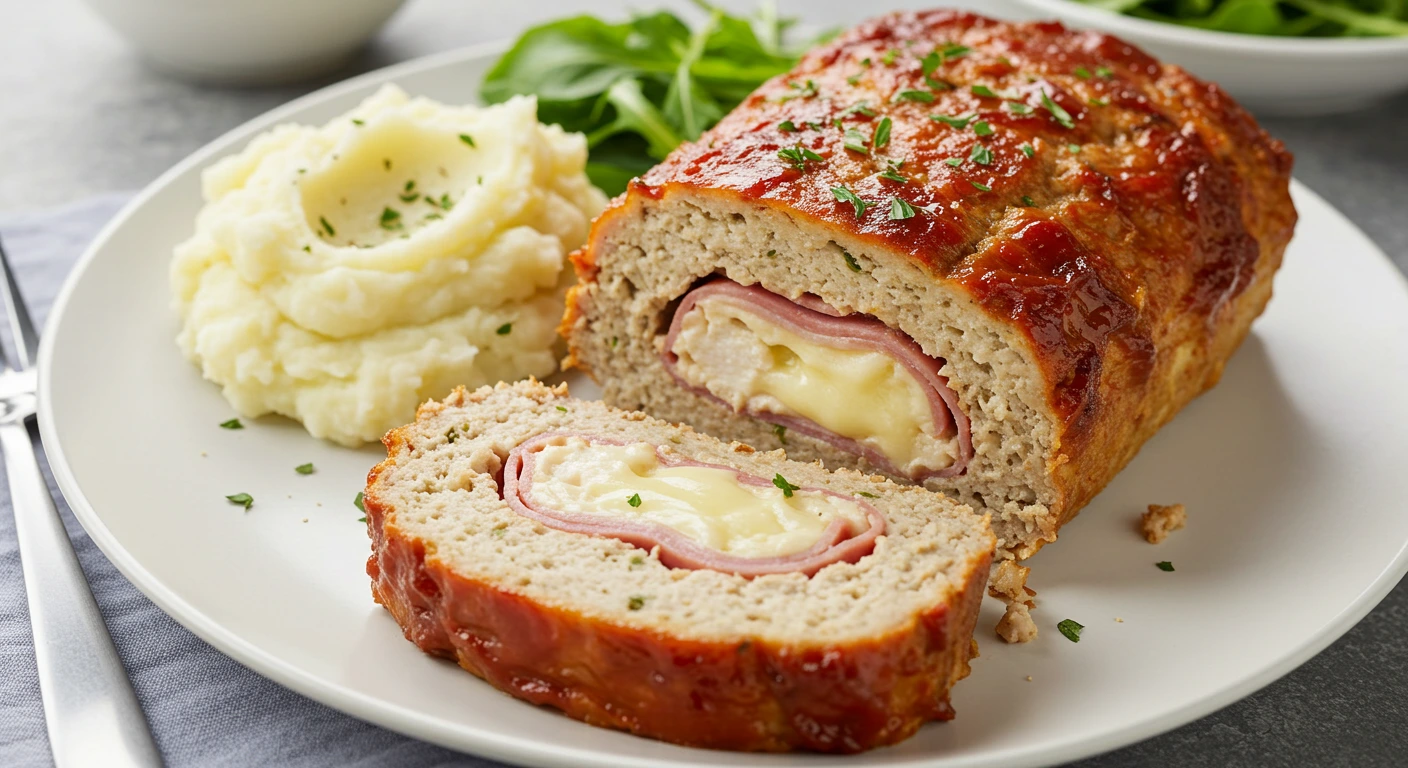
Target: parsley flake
(636, 602)
(984, 91)
(980, 186)
(882, 133)
(355, 121)
(892, 175)
(466, 138)
(957, 121)
(390, 219)
(802, 91)
(634, 501)
(982, 128)
(357, 502)
(851, 262)
(1105, 72)
(787, 126)
(504, 329)
(981, 155)
(954, 161)
(1082, 73)
(781, 432)
(867, 495)
(1070, 629)
(247, 501)
(562, 408)
(861, 107)
(787, 488)
(856, 141)
(304, 469)
(889, 58)
(327, 227)
(1058, 113)
(1073, 148)
(844, 195)
(798, 156)
(900, 209)
(1099, 102)
(1165, 566)
(1018, 108)
(1028, 201)
(1028, 150)
(952, 51)
(923, 96)
(232, 424)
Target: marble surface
(83, 115)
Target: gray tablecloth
(1343, 708)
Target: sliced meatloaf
(848, 646)
(987, 257)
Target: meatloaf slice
(858, 654)
(1076, 237)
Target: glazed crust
(753, 696)
(1130, 251)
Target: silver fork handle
(91, 711)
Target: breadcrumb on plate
(1161, 520)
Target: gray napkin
(204, 708)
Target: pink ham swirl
(817, 322)
(838, 543)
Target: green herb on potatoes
(634, 501)
(1280, 18)
(1071, 629)
(639, 88)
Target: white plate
(1290, 470)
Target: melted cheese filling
(707, 504)
(761, 368)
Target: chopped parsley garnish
(772, 253)
(867, 495)
(637, 560)
(504, 329)
(232, 424)
(355, 121)
(815, 126)
(1070, 629)
(1165, 566)
(984, 91)
(409, 193)
(357, 502)
(361, 519)
(787, 126)
(307, 249)
(957, 121)
(1028, 150)
(499, 532)
(634, 501)
(1018, 108)
(1057, 112)
(562, 408)
(1082, 73)
(980, 186)
(798, 156)
(982, 128)
(1073, 148)
(386, 163)
(923, 96)
(390, 218)
(1099, 102)
(882, 133)
(851, 262)
(787, 488)
(980, 155)
(889, 57)
(466, 138)
(954, 161)
(954, 50)
(854, 79)
(856, 141)
(451, 435)
(781, 432)
(900, 209)
(247, 501)
(844, 195)
(930, 64)
(327, 227)
(636, 602)
(1105, 72)
(892, 175)
(803, 91)
(1028, 201)
(304, 469)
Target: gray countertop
(82, 115)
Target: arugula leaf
(1282, 18)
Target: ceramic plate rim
(486, 742)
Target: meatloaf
(990, 258)
(486, 548)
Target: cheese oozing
(759, 367)
(709, 505)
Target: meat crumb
(1016, 626)
(1029, 678)
(1118, 620)
(1160, 521)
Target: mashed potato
(342, 275)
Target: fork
(90, 709)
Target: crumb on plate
(1161, 520)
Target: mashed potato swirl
(342, 275)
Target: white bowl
(1270, 75)
(246, 42)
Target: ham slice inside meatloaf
(868, 389)
(844, 539)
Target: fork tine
(26, 340)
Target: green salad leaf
(638, 89)
(1284, 18)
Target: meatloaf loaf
(991, 258)
(498, 543)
